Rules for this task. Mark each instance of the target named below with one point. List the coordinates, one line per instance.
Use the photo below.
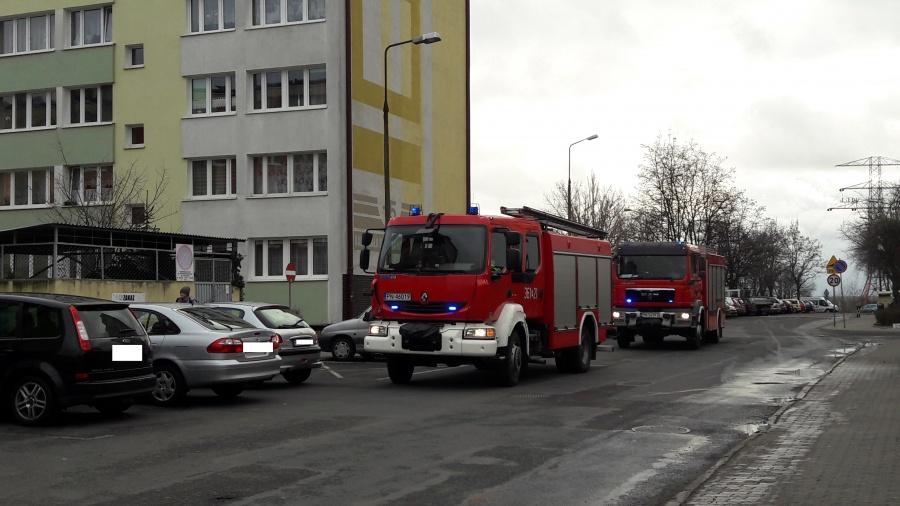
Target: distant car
(58, 351)
(868, 308)
(761, 305)
(808, 305)
(345, 339)
(299, 350)
(730, 307)
(796, 307)
(202, 347)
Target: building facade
(255, 119)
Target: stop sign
(290, 272)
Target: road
(638, 428)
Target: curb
(686, 494)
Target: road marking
(439, 368)
(332, 371)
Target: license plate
(266, 347)
(303, 342)
(649, 315)
(127, 353)
(397, 297)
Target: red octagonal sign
(290, 272)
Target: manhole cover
(661, 429)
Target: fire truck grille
(650, 295)
(428, 308)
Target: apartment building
(262, 120)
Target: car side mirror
(367, 316)
(364, 260)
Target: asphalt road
(639, 427)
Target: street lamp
(569, 192)
(428, 38)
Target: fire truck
(668, 288)
(497, 292)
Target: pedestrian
(185, 296)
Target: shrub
(888, 316)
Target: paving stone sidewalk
(838, 445)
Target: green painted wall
(74, 67)
(310, 298)
(44, 148)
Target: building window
(28, 110)
(91, 105)
(211, 15)
(89, 184)
(278, 12)
(134, 136)
(293, 174)
(215, 177)
(289, 89)
(27, 187)
(28, 34)
(138, 215)
(308, 254)
(134, 56)
(89, 27)
(212, 95)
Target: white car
(299, 350)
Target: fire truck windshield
(456, 249)
(651, 267)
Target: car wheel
(228, 391)
(33, 401)
(114, 406)
(296, 376)
(342, 349)
(400, 369)
(170, 387)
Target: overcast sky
(785, 91)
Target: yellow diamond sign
(830, 267)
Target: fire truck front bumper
(469, 340)
(631, 318)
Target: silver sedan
(196, 346)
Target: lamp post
(428, 38)
(569, 191)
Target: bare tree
(875, 241)
(593, 204)
(125, 197)
(803, 260)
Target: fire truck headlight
(685, 316)
(480, 333)
(617, 314)
(378, 330)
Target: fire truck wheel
(511, 366)
(624, 338)
(713, 336)
(400, 370)
(576, 359)
(695, 340)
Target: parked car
(730, 307)
(786, 306)
(344, 339)
(740, 305)
(299, 350)
(199, 346)
(795, 306)
(808, 306)
(868, 308)
(58, 351)
(761, 305)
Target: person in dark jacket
(185, 296)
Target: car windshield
(413, 249)
(651, 267)
(214, 319)
(276, 317)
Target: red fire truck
(668, 288)
(498, 292)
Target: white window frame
(129, 136)
(258, 13)
(49, 38)
(52, 114)
(262, 245)
(290, 174)
(230, 104)
(14, 175)
(82, 109)
(201, 13)
(285, 90)
(78, 195)
(77, 16)
(129, 56)
(230, 183)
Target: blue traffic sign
(840, 266)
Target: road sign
(840, 267)
(829, 268)
(290, 272)
(834, 279)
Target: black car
(58, 351)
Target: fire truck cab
(498, 292)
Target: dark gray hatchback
(58, 351)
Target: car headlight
(480, 333)
(378, 330)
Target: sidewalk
(838, 444)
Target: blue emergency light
(415, 210)
(473, 209)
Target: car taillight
(226, 345)
(276, 341)
(83, 340)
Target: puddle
(802, 374)
(661, 429)
(752, 428)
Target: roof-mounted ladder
(548, 220)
